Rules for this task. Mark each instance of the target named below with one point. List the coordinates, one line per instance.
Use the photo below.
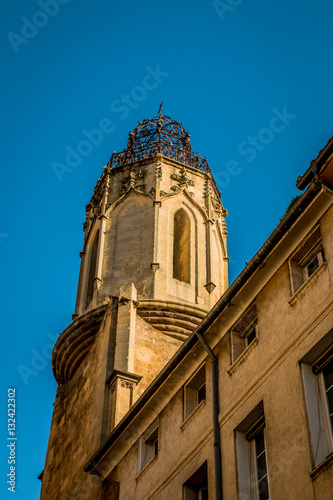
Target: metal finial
(160, 109)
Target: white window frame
(317, 408)
(192, 391)
(247, 472)
(253, 325)
(148, 446)
(298, 263)
(240, 331)
(254, 461)
(317, 251)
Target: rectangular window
(250, 438)
(148, 446)
(195, 392)
(256, 438)
(327, 374)
(244, 332)
(306, 260)
(196, 487)
(317, 374)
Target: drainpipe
(217, 444)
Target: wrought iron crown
(161, 135)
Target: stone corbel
(131, 378)
(155, 266)
(210, 287)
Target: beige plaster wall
(269, 372)
(181, 453)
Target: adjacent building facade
(173, 384)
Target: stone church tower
(154, 262)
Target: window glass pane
(263, 489)
(313, 265)
(261, 465)
(328, 376)
(194, 392)
(251, 335)
(330, 402)
(260, 443)
(323, 255)
(202, 393)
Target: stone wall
(84, 409)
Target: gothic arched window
(92, 269)
(181, 246)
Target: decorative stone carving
(224, 225)
(182, 179)
(127, 384)
(217, 206)
(158, 171)
(131, 179)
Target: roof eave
(317, 167)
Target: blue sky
(250, 80)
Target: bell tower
(156, 220)
(154, 261)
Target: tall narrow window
(92, 269)
(148, 446)
(253, 480)
(318, 384)
(194, 392)
(256, 438)
(244, 332)
(181, 246)
(306, 260)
